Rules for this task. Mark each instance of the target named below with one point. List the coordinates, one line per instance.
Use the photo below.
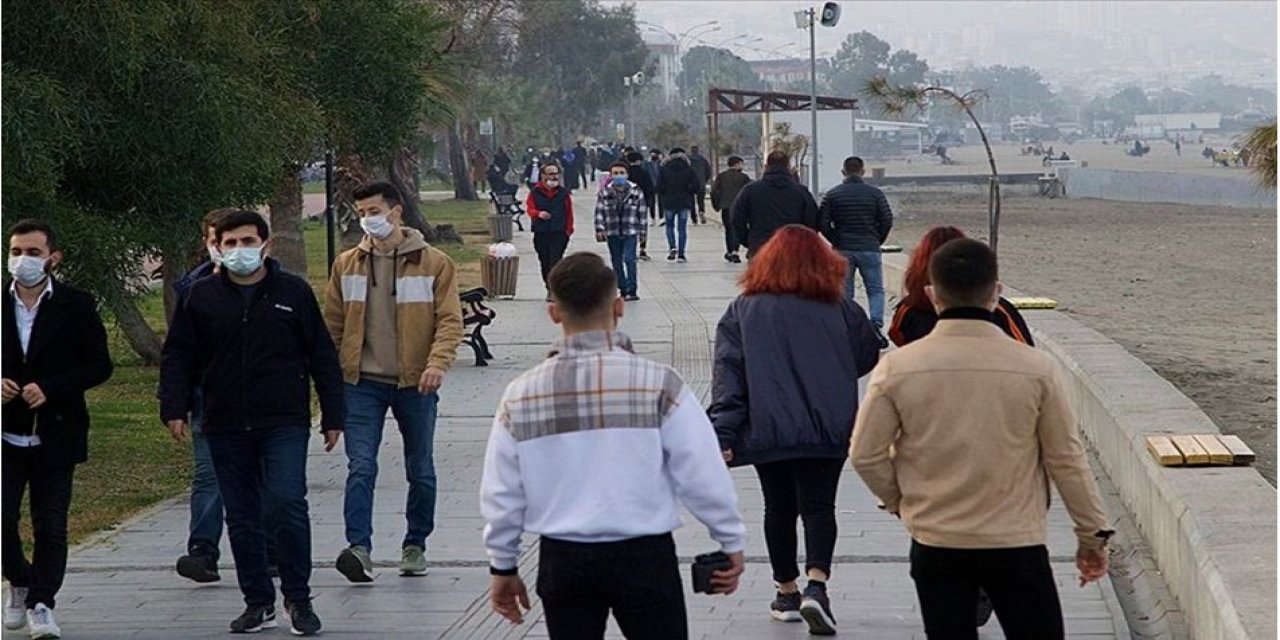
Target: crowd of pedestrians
(594, 449)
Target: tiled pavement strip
(122, 583)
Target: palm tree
(1260, 142)
(895, 100)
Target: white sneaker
(43, 626)
(15, 608)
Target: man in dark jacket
(653, 167)
(637, 174)
(677, 186)
(856, 218)
(702, 169)
(770, 203)
(723, 192)
(55, 348)
(252, 336)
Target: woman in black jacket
(789, 352)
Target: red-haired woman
(789, 352)
(914, 316)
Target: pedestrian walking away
(200, 562)
(581, 166)
(959, 435)
(637, 174)
(770, 203)
(600, 482)
(54, 349)
(677, 187)
(619, 221)
(701, 168)
(254, 334)
(392, 310)
(856, 218)
(550, 208)
(789, 351)
(724, 190)
(653, 166)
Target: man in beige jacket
(393, 311)
(959, 435)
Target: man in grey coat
(856, 218)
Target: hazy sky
(986, 32)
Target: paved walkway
(122, 585)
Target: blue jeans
(367, 404)
(682, 215)
(869, 264)
(274, 461)
(622, 251)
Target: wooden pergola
(744, 101)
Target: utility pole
(813, 98)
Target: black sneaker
(302, 618)
(735, 258)
(984, 608)
(786, 607)
(681, 258)
(884, 342)
(200, 569)
(644, 256)
(254, 619)
(815, 608)
(671, 255)
(631, 297)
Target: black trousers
(730, 238)
(50, 485)
(1019, 581)
(550, 246)
(804, 488)
(637, 579)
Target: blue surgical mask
(619, 181)
(242, 261)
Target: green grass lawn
(133, 461)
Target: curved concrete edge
(1212, 529)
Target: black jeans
(730, 238)
(637, 579)
(273, 462)
(803, 487)
(1019, 581)
(50, 501)
(550, 246)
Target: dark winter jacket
(910, 324)
(701, 167)
(640, 177)
(66, 356)
(558, 202)
(785, 379)
(677, 184)
(252, 362)
(726, 188)
(770, 203)
(855, 216)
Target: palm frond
(1260, 141)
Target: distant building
(1170, 124)
(667, 59)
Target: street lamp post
(808, 19)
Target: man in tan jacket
(959, 435)
(393, 311)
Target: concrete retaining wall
(1233, 190)
(1212, 530)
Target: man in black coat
(856, 218)
(678, 184)
(770, 203)
(637, 174)
(702, 169)
(55, 349)
(251, 336)
(724, 191)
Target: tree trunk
(141, 337)
(458, 169)
(404, 175)
(286, 222)
(173, 266)
(350, 172)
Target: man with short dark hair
(54, 349)
(856, 219)
(701, 168)
(678, 186)
(620, 222)
(770, 203)
(959, 435)
(393, 311)
(723, 192)
(593, 450)
(252, 335)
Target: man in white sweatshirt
(593, 450)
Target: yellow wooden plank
(1164, 452)
(1218, 453)
(1192, 452)
(1240, 452)
(1034, 303)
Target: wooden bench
(477, 316)
(507, 204)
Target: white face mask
(29, 271)
(215, 256)
(377, 226)
(553, 182)
(242, 261)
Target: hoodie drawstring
(395, 260)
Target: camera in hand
(705, 565)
